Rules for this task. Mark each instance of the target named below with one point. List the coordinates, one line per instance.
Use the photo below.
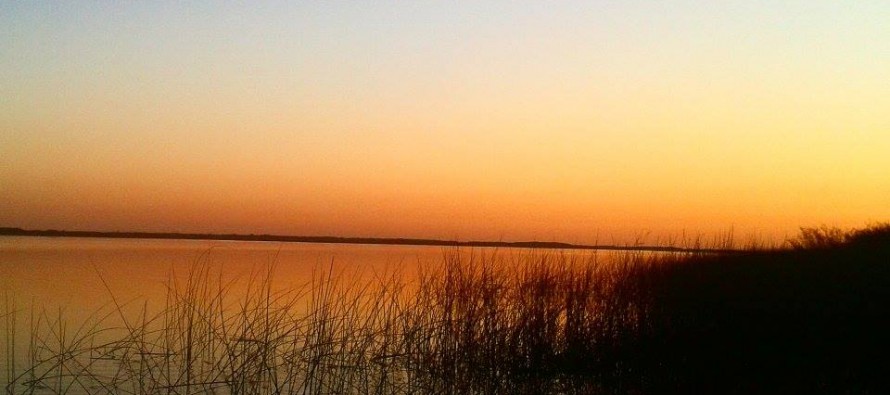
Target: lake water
(79, 274)
(68, 273)
(65, 281)
(76, 277)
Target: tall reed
(487, 322)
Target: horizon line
(404, 241)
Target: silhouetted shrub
(818, 238)
(872, 236)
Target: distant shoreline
(348, 240)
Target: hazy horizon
(574, 121)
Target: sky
(577, 121)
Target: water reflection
(70, 286)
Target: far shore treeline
(9, 231)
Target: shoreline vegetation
(7, 231)
(810, 318)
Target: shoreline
(7, 231)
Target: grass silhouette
(810, 318)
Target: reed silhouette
(809, 318)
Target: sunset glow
(570, 121)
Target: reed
(811, 318)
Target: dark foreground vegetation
(810, 318)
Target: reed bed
(808, 319)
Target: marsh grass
(803, 319)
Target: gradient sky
(575, 121)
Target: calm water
(76, 277)
(79, 274)
(69, 272)
(73, 278)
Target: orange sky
(579, 122)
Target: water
(76, 277)
(68, 273)
(66, 281)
